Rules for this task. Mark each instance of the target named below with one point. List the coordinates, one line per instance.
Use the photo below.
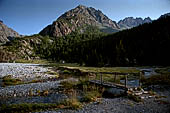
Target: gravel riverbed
(27, 72)
(24, 90)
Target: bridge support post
(101, 78)
(140, 77)
(126, 81)
(115, 77)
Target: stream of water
(147, 73)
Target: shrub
(72, 103)
(91, 96)
(69, 84)
(67, 72)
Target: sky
(29, 17)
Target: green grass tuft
(8, 80)
(32, 61)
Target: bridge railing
(115, 76)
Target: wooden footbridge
(100, 81)
(114, 84)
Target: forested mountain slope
(147, 44)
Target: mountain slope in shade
(78, 19)
(165, 15)
(145, 45)
(6, 33)
(131, 22)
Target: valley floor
(40, 84)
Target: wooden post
(126, 81)
(115, 77)
(101, 79)
(140, 77)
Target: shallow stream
(147, 73)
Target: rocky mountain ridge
(78, 19)
(130, 22)
(6, 33)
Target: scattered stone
(142, 97)
(145, 92)
(150, 96)
(138, 93)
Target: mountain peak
(81, 6)
(78, 19)
(130, 22)
(147, 20)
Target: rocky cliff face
(131, 22)
(6, 34)
(78, 19)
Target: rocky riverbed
(33, 92)
(24, 71)
(28, 90)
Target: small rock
(135, 88)
(130, 89)
(15, 95)
(138, 93)
(145, 92)
(150, 96)
(142, 97)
